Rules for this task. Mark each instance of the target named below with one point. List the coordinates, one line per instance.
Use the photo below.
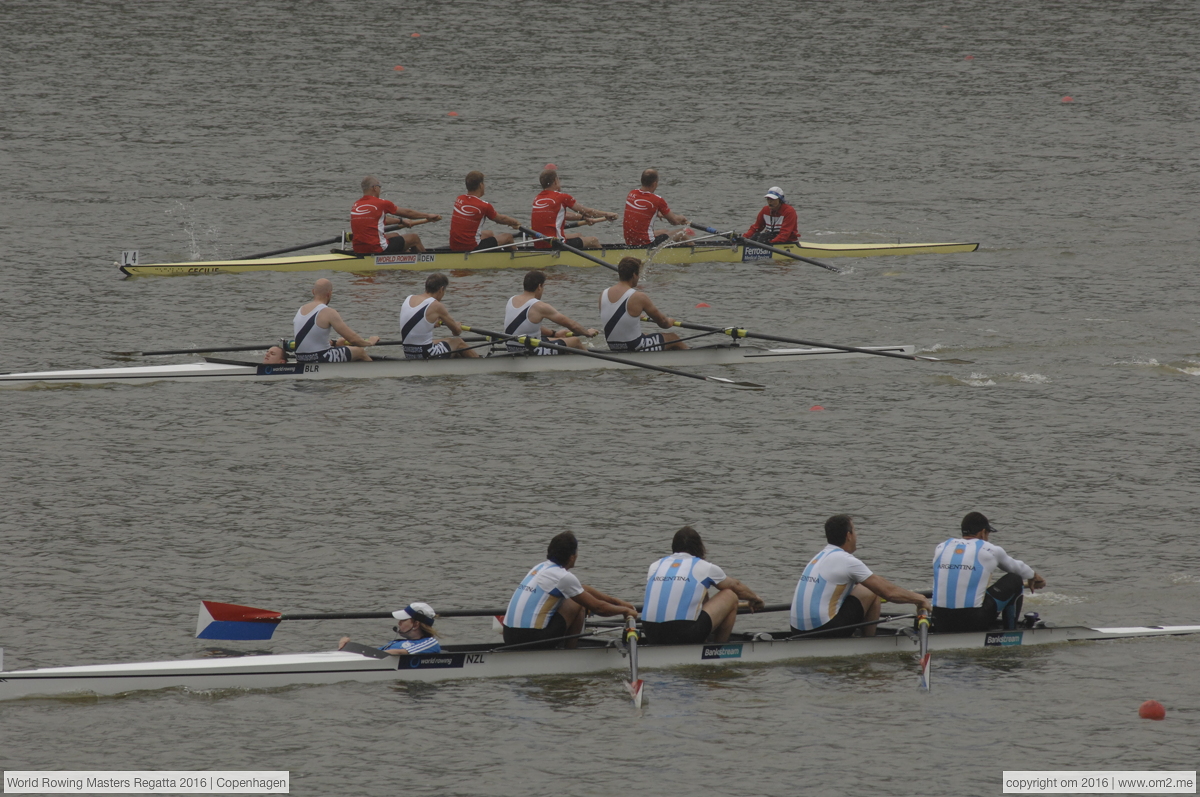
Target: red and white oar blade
(230, 621)
(635, 691)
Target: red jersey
(641, 209)
(781, 222)
(469, 213)
(549, 210)
(366, 223)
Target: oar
(257, 347)
(923, 636)
(561, 243)
(231, 621)
(744, 241)
(631, 642)
(302, 247)
(536, 342)
(891, 618)
(735, 332)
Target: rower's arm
(743, 592)
(641, 304)
(592, 212)
(674, 218)
(409, 213)
(438, 312)
(894, 594)
(339, 326)
(508, 221)
(597, 602)
(549, 313)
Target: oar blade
(734, 383)
(635, 691)
(951, 360)
(923, 638)
(231, 621)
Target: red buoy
(1068, 99)
(816, 408)
(1152, 710)
(398, 68)
(452, 113)
(969, 58)
(416, 35)
(704, 304)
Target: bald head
(323, 289)
(370, 183)
(649, 178)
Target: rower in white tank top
(619, 326)
(315, 339)
(420, 313)
(525, 313)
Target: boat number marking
(721, 652)
(1003, 639)
(288, 370)
(474, 658)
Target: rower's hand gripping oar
(231, 621)
(923, 637)
(744, 241)
(536, 342)
(631, 642)
(563, 244)
(736, 332)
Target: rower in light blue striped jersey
(415, 627)
(962, 567)
(677, 609)
(550, 604)
(837, 593)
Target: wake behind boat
(457, 662)
(216, 369)
(527, 258)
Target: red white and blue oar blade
(230, 621)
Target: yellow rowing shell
(434, 260)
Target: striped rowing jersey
(676, 587)
(539, 594)
(641, 209)
(824, 585)
(429, 644)
(615, 320)
(962, 569)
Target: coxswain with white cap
(420, 313)
(311, 329)
(962, 568)
(550, 603)
(621, 309)
(677, 609)
(776, 223)
(837, 592)
(415, 628)
(525, 312)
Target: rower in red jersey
(470, 210)
(776, 223)
(370, 214)
(642, 208)
(550, 210)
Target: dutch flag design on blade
(959, 578)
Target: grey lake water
(210, 130)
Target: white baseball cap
(775, 193)
(421, 612)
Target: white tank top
(420, 333)
(317, 339)
(516, 319)
(618, 324)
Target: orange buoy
(416, 35)
(704, 304)
(398, 68)
(1068, 99)
(969, 58)
(452, 113)
(1152, 710)
(816, 408)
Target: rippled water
(193, 131)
